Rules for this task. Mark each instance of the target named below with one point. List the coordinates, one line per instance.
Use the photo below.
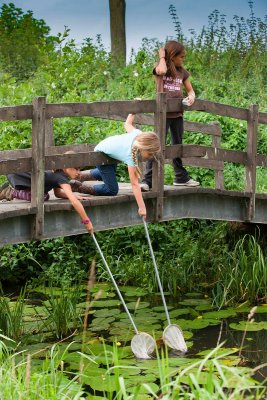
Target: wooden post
(49, 133)
(38, 165)
(252, 129)
(158, 168)
(216, 142)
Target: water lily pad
(250, 327)
(143, 389)
(101, 320)
(135, 305)
(133, 291)
(192, 324)
(194, 302)
(99, 328)
(204, 307)
(194, 295)
(220, 314)
(106, 383)
(106, 312)
(106, 303)
(136, 380)
(261, 309)
(220, 351)
(178, 312)
(161, 308)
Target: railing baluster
(38, 165)
(252, 130)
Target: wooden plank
(252, 133)
(212, 108)
(233, 156)
(158, 168)
(203, 163)
(184, 150)
(14, 154)
(208, 129)
(103, 108)
(38, 165)
(11, 166)
(16, 113)
(78, 148)
(216, 142)
(88, 159)
(262, 118)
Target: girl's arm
(66, 189)
(137, 191)
(190, 91)
(128, 124)
(161, 68)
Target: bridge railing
(45, 155)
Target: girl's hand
(89, 227)
(191, 98)
(142, 212)
(82, 197)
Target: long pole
(114, 283)
(157, 272)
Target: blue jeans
(107, 174)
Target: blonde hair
(147, 141)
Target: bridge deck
(121, 210)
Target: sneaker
(190, 183)
(144, 187)
(6, 192)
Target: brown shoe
(86, 189)
(6, 192)
(86, 176)
(75, 185)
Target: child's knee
(114, 191)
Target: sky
(144, 18)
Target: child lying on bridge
(131, 148)
(19, 187)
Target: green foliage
(60, 261)
(23, 40)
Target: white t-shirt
(119, 146)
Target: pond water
(204, 328)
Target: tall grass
(11, 315)
(62, 311)
(21, 380)
(244, 276)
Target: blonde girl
(130, 148)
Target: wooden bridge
(22, 222)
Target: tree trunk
(117, 32)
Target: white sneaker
(191, 183)
(144, 187)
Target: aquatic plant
(11, 315)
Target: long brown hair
(172, 49)
(148, 141)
